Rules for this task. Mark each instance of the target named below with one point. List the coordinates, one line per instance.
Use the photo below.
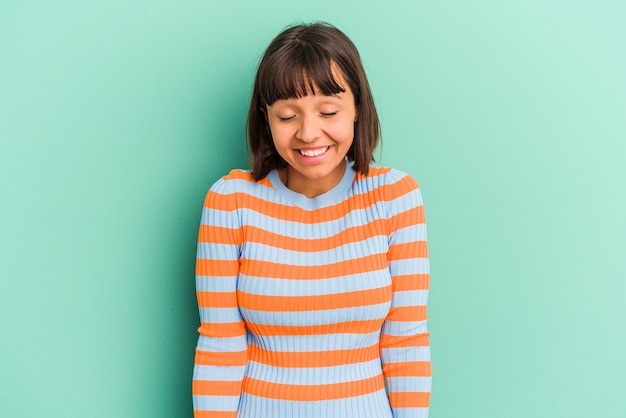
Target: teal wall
(116, 117)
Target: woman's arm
(405, 349)
(221, 353)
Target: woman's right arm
(221, 353)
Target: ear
(264, 111)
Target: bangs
(298, 73)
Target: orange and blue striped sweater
(313, 307)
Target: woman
(312, 269)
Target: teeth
(313, 152)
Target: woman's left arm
(404, 343)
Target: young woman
(312, 269)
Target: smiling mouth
(313, 152)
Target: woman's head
(304, 60)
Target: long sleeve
(221, 353)
(405, 349)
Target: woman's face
(313, 134)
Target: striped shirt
(312, 307)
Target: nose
(309, 129)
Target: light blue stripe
(411, 413)
(312, 318)
(405, 354)
(230, 344)
(410, 266)
(216, 283)
(217, 251)
(349, 251)
(314, 375)
(216, 217)
(219, 315)
(411, 233)
(228, 373)
(410, 298)
(215, 403)
(310, 343)
(372, 405)
(281, 287)
(409, 384)
(293, 229)
(399, 329)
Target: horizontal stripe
(310, 343)
(355, 327)
(217, 300)
(410, 298)
(404, 329)
(409, 399)
(294, 272)
(371, 405)
(410, 368)
(404, 251)
(214, 414)
(314, 287)
(313, 359)
(237, 200)
(314, 376)
(406, 267)
(409, 384)
(205, 267)
(221, 358)
(405, 354)
(306, 393)
(407, 313)
(216, 387)
(219, 315)
(222, 330)
(314, 318)
(411, 412)
(204, 372)
(215, 403)
(216, 283)
(318, 302)
(415, 340)
(206, 343)
(308, 257)
(411, 282)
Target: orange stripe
(409, 399)
(392, 341)
(208, 267)
(216, 387)
(408, 313)
(305, 393)
(415, 249)
(217, 299)
(214, 414)
(240, 200)
(351, 327)
(349, 235)
(287, 271)
(408, 368)
(413, 216)
(411, 282)
(315, 358)
(313, 303)
(218, 358)
(222, 330)
(238, 174)
(219, 235)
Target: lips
(313, 152)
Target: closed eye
(327, 114)
(285, 118)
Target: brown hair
(297, 59)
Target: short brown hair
(295, 60)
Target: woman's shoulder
(390, 177)
(238, 180)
